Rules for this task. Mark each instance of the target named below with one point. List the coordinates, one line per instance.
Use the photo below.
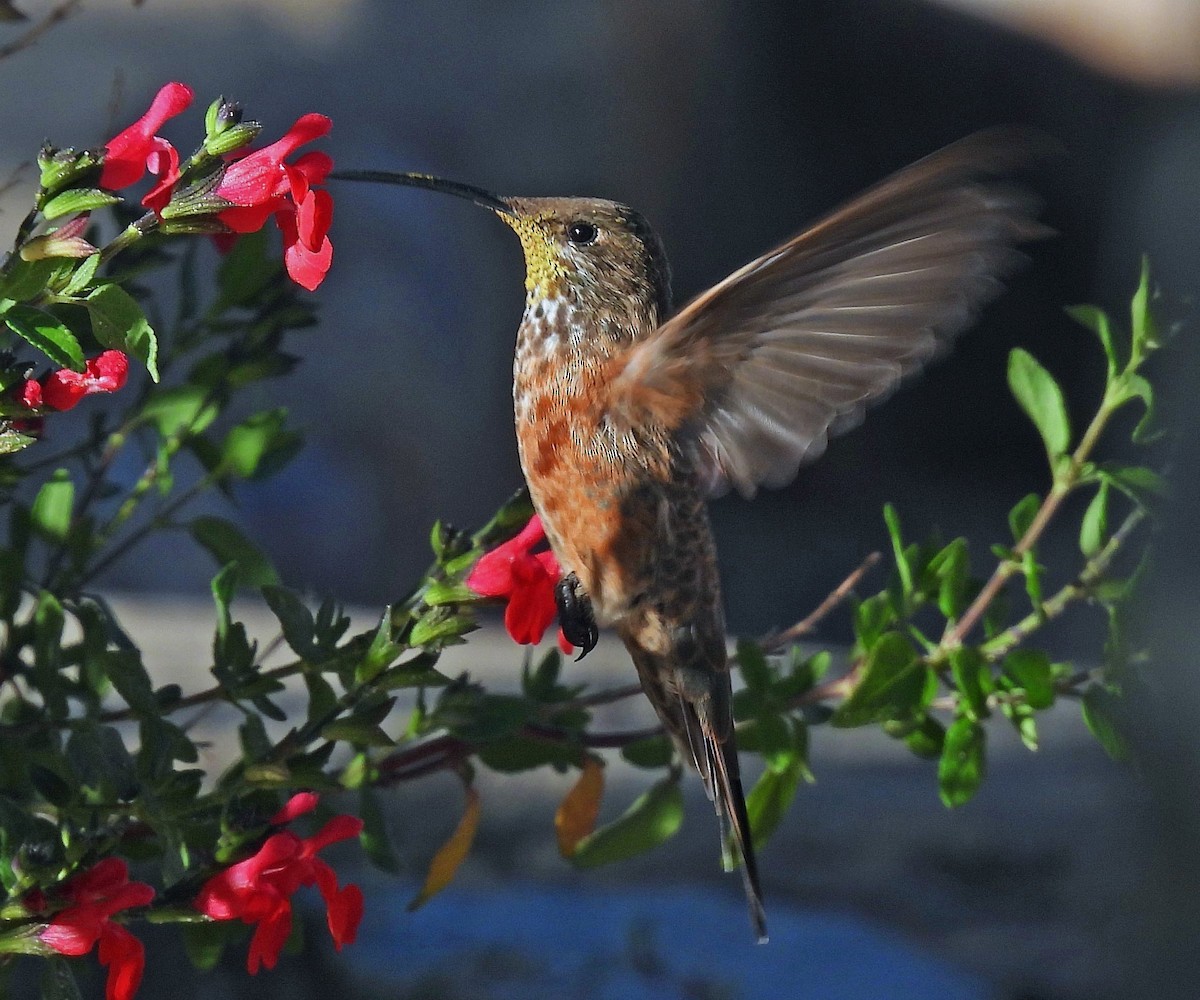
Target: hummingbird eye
(581, 233)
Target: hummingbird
(630, 416)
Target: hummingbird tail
(699, 718)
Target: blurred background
(730, 126)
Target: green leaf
(52, 507)
(894, 685)
(76, 200)
(1096, 320)
(1093, 529)
(1143, 325)
(952, 569)
(960, 769)
(973, 678)
(756, 672)
(27, 279)
(124, 668)
(1101, 712)
(295, 619)
(903, 566)
(1142, 485)
(1134, 386)
(246, 272)
(651, 820)
(1029, 669)
(439, 626)
(118, 322)
(205, 941)
(769, 799)
(871, 619)
(47, 334)
(226, 544)
(83, 275)
(1021, 516)
(374, 836)
(180, 409)
(1042, 400)
(259, 445)
(927, 739)
(652, 752)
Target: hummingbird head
(590, 252)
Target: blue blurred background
(729, 125)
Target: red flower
(127, 156)
(259, 889)
(95, 896)
(527, 579)
(62, 389)
(260, 184)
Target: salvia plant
(107, 821)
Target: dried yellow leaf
(451, 854)
(576, 816)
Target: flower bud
(235, 136)
(65, 241)
(63, 168)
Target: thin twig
(56, 16)
(773, 643)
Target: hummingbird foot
(575, 615)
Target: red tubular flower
(126, 156)
(513, 571)
(259, 889)
(95, 896)
(260, 184)
(62, 389)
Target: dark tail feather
(725, 789)
(695, 728)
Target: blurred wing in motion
(756, 373)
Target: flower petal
(297, 805)
(126, 960)
(125, 154)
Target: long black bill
(478, 195)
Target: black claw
(575, 616)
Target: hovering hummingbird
(629, 417)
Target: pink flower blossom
(128, 155)
(527, 579)
(95, 896)
(258, 890)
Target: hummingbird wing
(757, 372)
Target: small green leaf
(1142, 485)
(77, 200)
(973, 678)
(1093, 529)
(118, 322)
(927, 739)
(1030, 670)
(259, 445)
(1101, 713)
(651, 820)
(1096, 320)
(952, 569)
(226, 544)
(47, 334)
(1143, 325)
(756, 672)
(83, 276)
(374, 837)
(1021, 516)
(903, 566)
(894, 685)
(52, 507)
(295, 620)
(183, 408)
(652, 752)
(1041, 399)
(960, 769)
(128, 675)
(769, 799)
